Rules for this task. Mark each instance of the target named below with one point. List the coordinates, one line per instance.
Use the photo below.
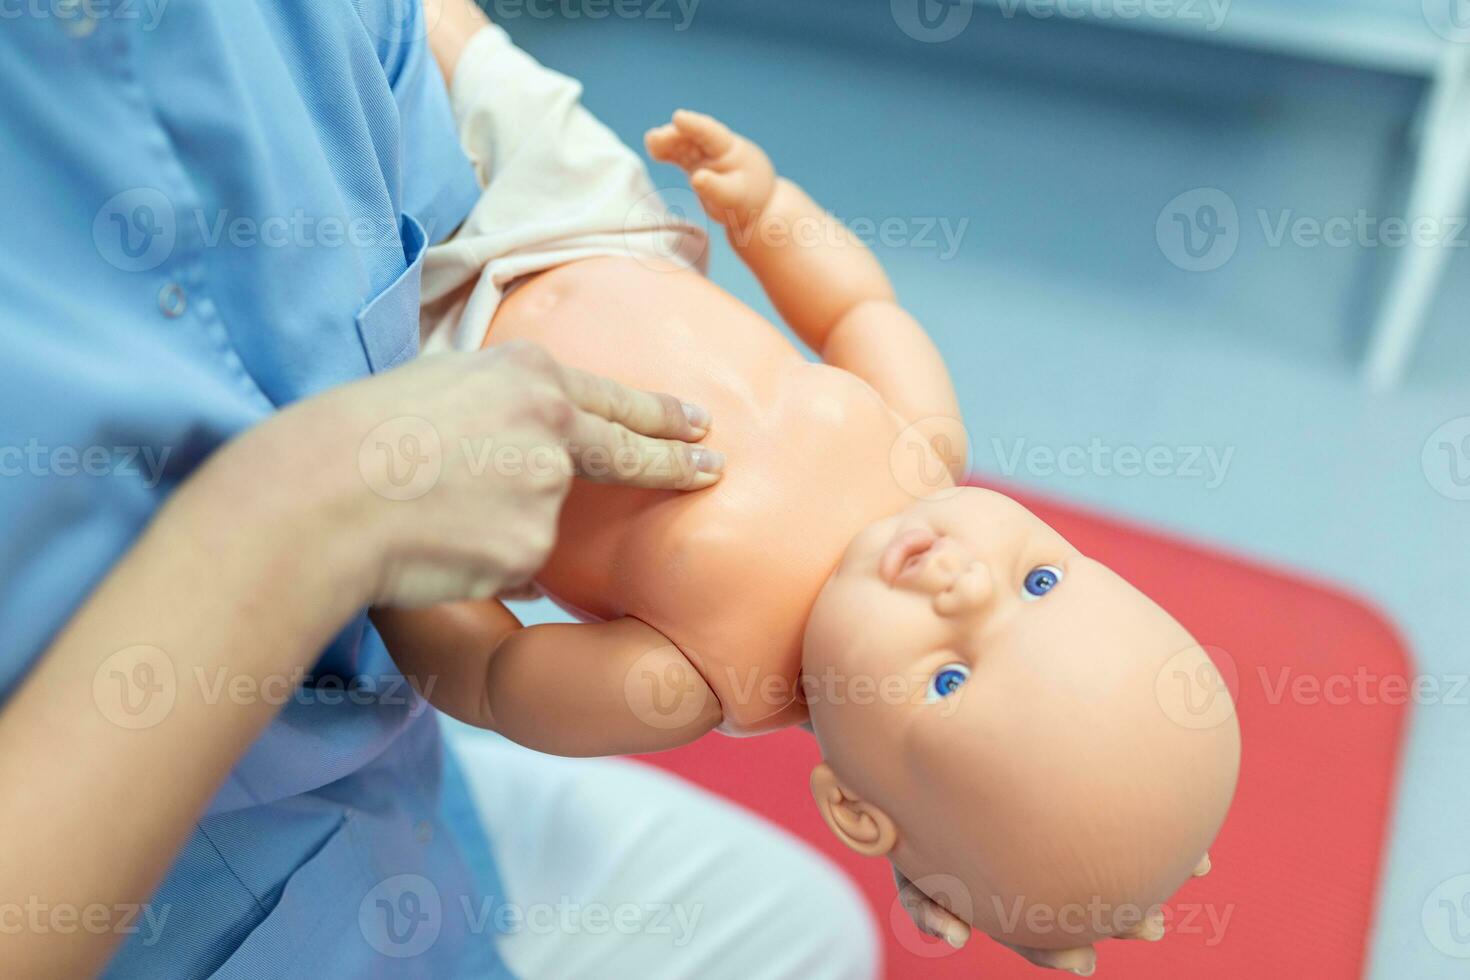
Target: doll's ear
(858, 824)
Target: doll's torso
(728, 574)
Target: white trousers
(619, 871)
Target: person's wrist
(293, 485)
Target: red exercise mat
(1321, 699)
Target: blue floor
(1051, 149)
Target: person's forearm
(813, 268)
(113, 746)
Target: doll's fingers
(667, 145)
(933, 920)
(607, 452)
(721, 190)
(1151, 929)
(712, 136)
(1079, 960)
(928, 916)
(643, 412)
(662, 141)
(1203, 868)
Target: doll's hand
(732, 176)
(932, 919)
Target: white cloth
(557, 186)
(620, 871)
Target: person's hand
(732, 176)
(447, 475)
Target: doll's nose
(970, 592)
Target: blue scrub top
(214, 208)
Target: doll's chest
(730, 574)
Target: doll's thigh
(619, 870)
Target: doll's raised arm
(821, 278)
(572, 689)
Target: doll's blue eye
(1041, 580)
(947, 680)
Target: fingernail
(1084, 971)
(708, 460)
(954, 939)
(698, 416)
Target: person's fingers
(1203, 868)
(713, 136)
(1079, 960)
(644, 412)
(608, 452)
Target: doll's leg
(617, 869)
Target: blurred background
(1223, 235)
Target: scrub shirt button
(172, 300)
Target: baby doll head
(1000, 712)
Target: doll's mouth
(904, 555)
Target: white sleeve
(557, 186)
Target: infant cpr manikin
(988, 700)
